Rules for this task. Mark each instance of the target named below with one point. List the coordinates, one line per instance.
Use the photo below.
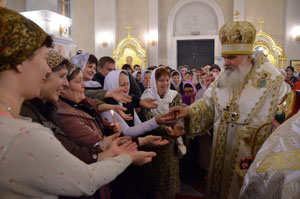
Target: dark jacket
(99, 78)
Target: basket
(242, 172)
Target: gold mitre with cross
(237, 38)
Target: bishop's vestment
(235, 118)
(275, 172)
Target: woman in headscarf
(164, 170)
(190, 92)
(34, 164)
(42, 110)
(145, 79)
(133, 127)
(175, 80)
(88, 63)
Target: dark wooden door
(195, 53)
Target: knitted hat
(54, 59)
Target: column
(153, 33)
(105, 27)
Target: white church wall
(292, 46)
(135, 13)
(17, 5)
(32, 5)
(272, 12)
(83, 26)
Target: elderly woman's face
(75, 91)
(54, 85)
(163, 85)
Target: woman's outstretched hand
(176, 131)
(166, 119)
(152, 140)
(119, 95)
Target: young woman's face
(176, 79)
(215, 71)
(34, 71)
(138, 78)
(124, 82)
(209, 80)
(187, 77)
(89, 71)
(163, 85)
(202, 79)
(189, 91)
(147, 79)
(54, 85)
(75, 91)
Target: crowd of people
(81, 128)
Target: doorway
(195, 53)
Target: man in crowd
(236, 106)
(137, 68)
(105, 66)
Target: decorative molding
(133, 44)
(274, 50)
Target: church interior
(160, 30)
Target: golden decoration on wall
(129, 51)
(236, 15)
(265, 42)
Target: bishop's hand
(178, 112)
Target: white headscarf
(163, 103)
(111, 80)
(81, 61)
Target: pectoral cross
(230, 113)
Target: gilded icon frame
(296, 65)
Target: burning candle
(113, 117)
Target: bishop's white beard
(233, 80)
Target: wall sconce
(153, 38)
(296, 33)
(105, 38)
